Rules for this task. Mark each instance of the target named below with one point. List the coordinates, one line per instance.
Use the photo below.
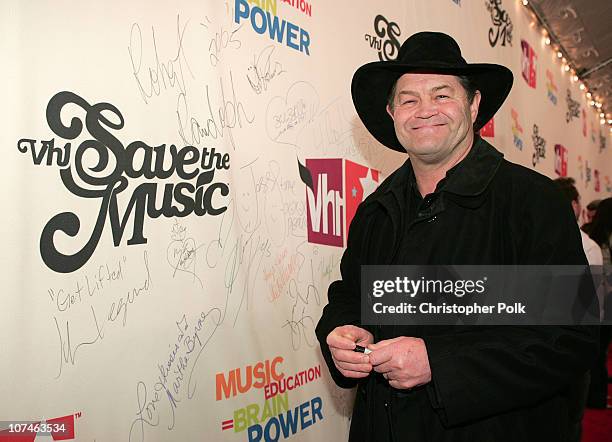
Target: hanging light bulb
(566, 68)
(547, 41)
(559, 54)
(592, 103)
(602, 121)
(601, 115)
(582, 87)
(525, 2)
(589, 95)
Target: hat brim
(372, 84)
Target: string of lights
(551, 40)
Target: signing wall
(178, 182)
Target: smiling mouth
(428, 126)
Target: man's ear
(390, 111)
(577, 209)
(474, 107)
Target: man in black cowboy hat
(455, 201)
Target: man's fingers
(336, 340)
(386, 367)
(380, 355)
(350, 356)
(357, 333)
(351, 362)
(362, 368)
(403, 383)
(384, 343)
(346, 336)
(353, 374)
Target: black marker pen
(361, 349)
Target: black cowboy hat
(433, 52)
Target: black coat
(504, 383)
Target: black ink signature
(245, 255)
(181, 253)
(241, 252)
(275, 218)
(229, 115)
(295, 212)
(263, 70)
(130, 297)
(146, 410)
(301, 325)
(221, 40)
(65, 299)
(169, 74)
(286, 116)
(180, 366)
(67, 351)
(216, 317)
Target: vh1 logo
(560, 160)
(334, 189)
(528, 63)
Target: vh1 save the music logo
(334, 189)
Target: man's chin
(425, 150)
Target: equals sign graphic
(227, 425)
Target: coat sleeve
(491, 370)
(344, 307)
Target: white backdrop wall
(136, 314)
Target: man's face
(432, 116)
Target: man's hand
(403, 361)
(341, 342)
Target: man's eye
(408, 101)
(442, 96)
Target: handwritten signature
(222, 40)
(263, 70)
(228, 115)
(102, 279)
(238, 252)
(287, 116)
(181, 253)
(176, 378)
(301, 326)
(118, 309)
(169, 74)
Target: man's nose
(426, 109)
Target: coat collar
(474, 173)
(469, 178)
